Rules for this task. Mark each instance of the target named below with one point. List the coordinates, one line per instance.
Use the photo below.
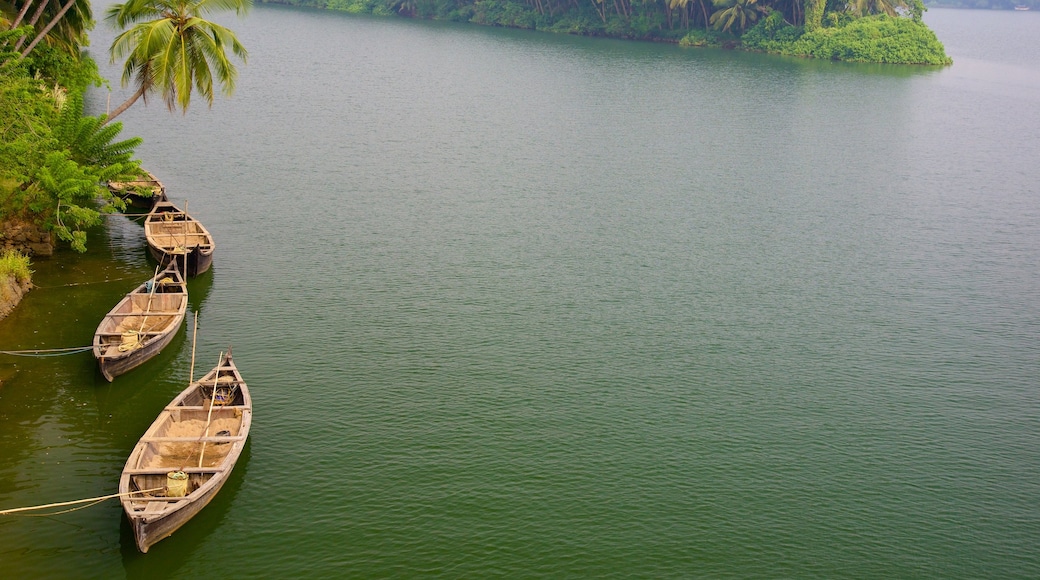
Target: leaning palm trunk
(126, 104)
(50, 25)
(32, 22)
(21, 14)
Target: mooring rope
(86, 283)
(45, 352)
(90, 501)
(132, 216)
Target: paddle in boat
(142, 323)
(172, 233)
(187, 454)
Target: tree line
(884, 31)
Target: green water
(513, 304)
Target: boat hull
(162, 302)
(149, 532)
(193, 264)
(132, 191)
(172, 234)
(201, 433)
(113, 366)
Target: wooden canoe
(142, 323)
(201, 433)
(142, 192)
(172, 233)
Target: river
(520, 304)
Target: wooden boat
(142, 323)
(141, 193)
(172, 233)
(187, 454)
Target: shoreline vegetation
(867, 31)
(55, 162)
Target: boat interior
(144, 314)
(191, 438)
(175, 229)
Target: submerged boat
(142, 323)
(141, 193)
(187, 454)
(173, 234)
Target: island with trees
(874, 31)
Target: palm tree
(65, 23)
(171, 49)
(867, 7)
(736, 12)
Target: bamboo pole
(185, 246)
(194, 336)
(148, 307)
(213, 401)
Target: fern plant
(92, 144)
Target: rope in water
(90, 500)
(86, 283)
(45, 352)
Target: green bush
(881, 39)
(54, 161)
(705, 38)
(876, 39)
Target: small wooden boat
(142, 192)
(187, 454)
(172, 233)
(142, 323)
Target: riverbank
(19, 240)
(15, 280)
(11, 292)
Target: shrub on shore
(15, 265)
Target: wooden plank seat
(213, 439)
(203, 407)
(165, 470)
(147, 313)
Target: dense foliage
(881, 39)
(832, 29)
(54, 161)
